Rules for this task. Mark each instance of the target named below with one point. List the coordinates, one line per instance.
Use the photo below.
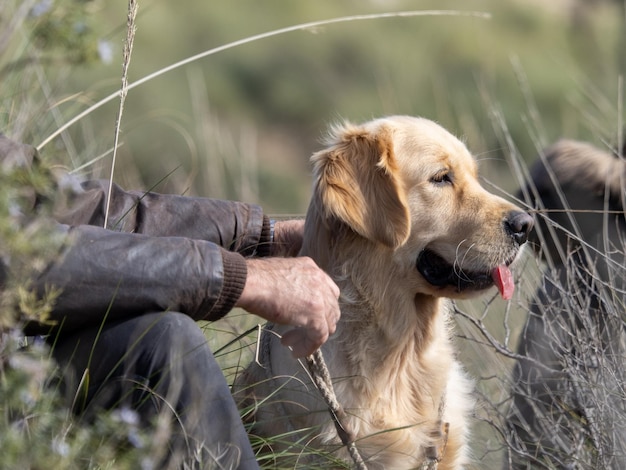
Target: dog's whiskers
(457, 265)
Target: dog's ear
(357, 182)
(584, 166)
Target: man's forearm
(233, 225)
(113, 275)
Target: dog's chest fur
(407, 392)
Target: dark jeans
(160, 364)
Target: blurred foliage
(28, 241)
(37, 431)
(65, 28)
(538, 72)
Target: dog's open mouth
(438, 272)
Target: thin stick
(304, 26)
(620, 129)
(321, 378)
(131, 29)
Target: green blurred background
(242, 123)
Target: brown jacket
(159, 252)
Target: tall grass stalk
(131, 30)
(313, 26)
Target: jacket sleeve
(233, 225)
(107, 275)
(159, 252)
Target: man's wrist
(266, 239)
(287, 237)
(272, 230)
(235, 276)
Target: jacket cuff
(235, 275)
(266, 238)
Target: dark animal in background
(569, 408)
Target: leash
(321, 379)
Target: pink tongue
(503, 279)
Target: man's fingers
(335, 288)
(296, 340)
(303, 342)
(293, 292)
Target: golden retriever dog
(400, 221)
(569, 408)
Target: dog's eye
(442, 177)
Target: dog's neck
(372, 307)
(390, 347)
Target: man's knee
(161, 363)
(168, 326)
(167, 336)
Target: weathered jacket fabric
(159, 252)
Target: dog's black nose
(519, 224)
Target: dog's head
(579, 191)
(403, 191)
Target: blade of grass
(299, 27)
(128, 49)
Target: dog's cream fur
(385, 191)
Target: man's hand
(296, 292)
(287, 237)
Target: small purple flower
(41, 8)
(105, 51)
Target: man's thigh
(156, 364)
